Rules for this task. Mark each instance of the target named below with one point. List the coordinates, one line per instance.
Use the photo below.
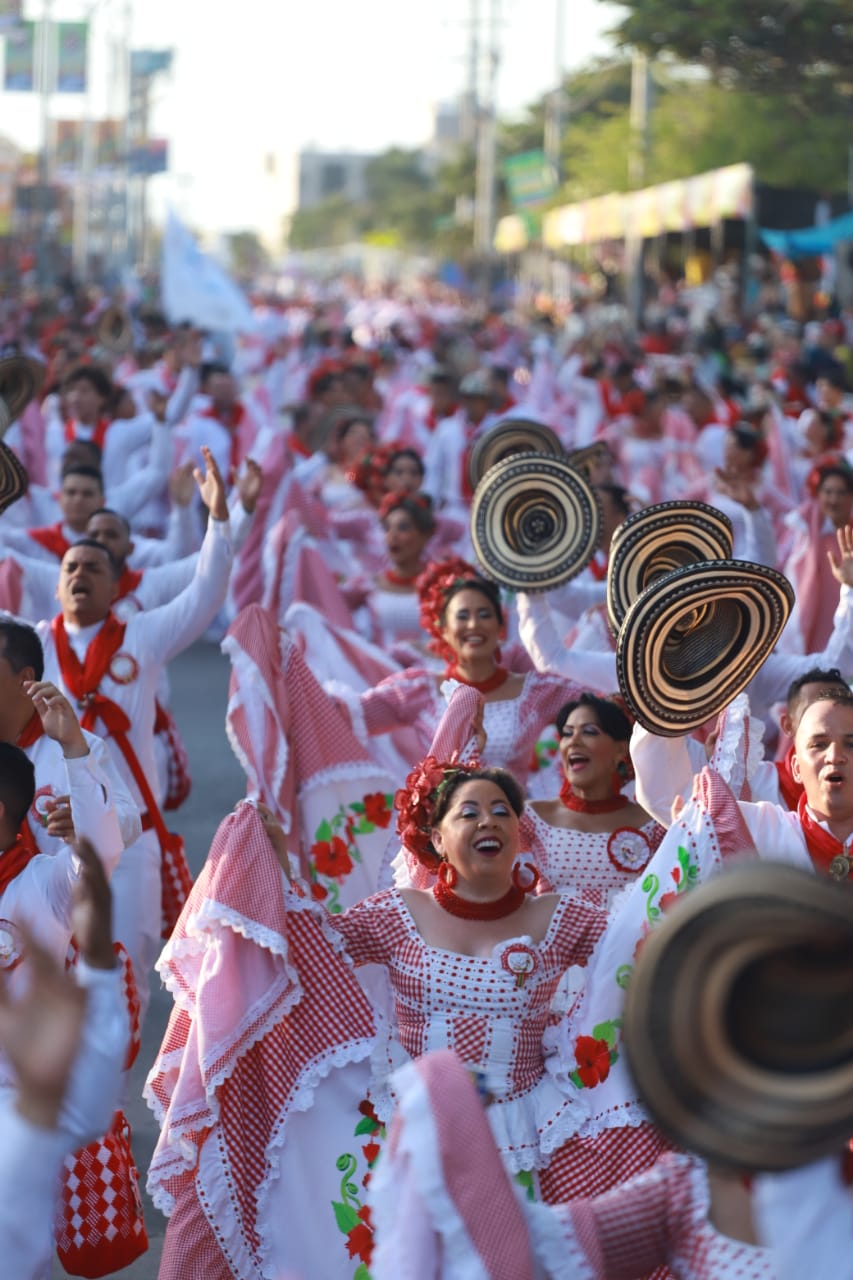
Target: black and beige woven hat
(657, 540)
(14, 480)
(507, 438)
(535, 522)
(695, 638)
(21, 380)
(115, 329)
(588, 459)
(738, 1022)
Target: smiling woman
(591, 836)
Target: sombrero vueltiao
(738, 1022)
(115, 329)
(586, 460)
(14, 480)
(507, 438)
(657, 540)
(535, 522)
(695, 638)
(20, 382)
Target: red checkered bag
(131, 995)
(178, 780)
(100, 1227)
(175, 882)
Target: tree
(248, 256)
(800, 48)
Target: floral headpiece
(817, 475)
(433, 586)
(415, 805)
(368, 474)
(392, 501)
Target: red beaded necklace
(498, 677)
(401, 579)
(579, 805)
(467, 910)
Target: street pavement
(199, 684)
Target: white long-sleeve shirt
(151, 640)
(31, 1157)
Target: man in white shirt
(65, 1039)
(112, 670)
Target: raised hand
(182, 485)
(40, 1033)
(211, 486)
(249, 484)
(92, 910)
(57, 817)
(58, 717)
(277, 838)
(842, 568)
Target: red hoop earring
(447, 874)
(529, 885)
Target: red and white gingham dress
(480, 1009)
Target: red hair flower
(415, 805)
(432, 587)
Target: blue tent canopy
(809, 242)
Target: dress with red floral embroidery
(492, 1011)
(595, 865)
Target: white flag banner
(196, 288)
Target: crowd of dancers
(472, 798)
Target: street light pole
(45, 86)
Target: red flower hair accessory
(392, 501)
(817, 475)
(433, 586)
(368, 474)
(415, 805)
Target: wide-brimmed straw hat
(535, 522)
(695, 638)
(588, 458)
(657, 540)
(21, 380)
(738, 1023)
(115, 329)
(507, 438)
(14, 480)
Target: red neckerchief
(14, 859)
(128, 582)
(432, 419)
(598, 570)
(98, 437)
(821, 844)
(789, 789)
(51, 537)
(82, 679)
(31, 732)
(295, 445)
(232, 425)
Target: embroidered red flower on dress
(331, 858)
(360, 1239)
(593, 1059)
(376, 809)
(370, 1151)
